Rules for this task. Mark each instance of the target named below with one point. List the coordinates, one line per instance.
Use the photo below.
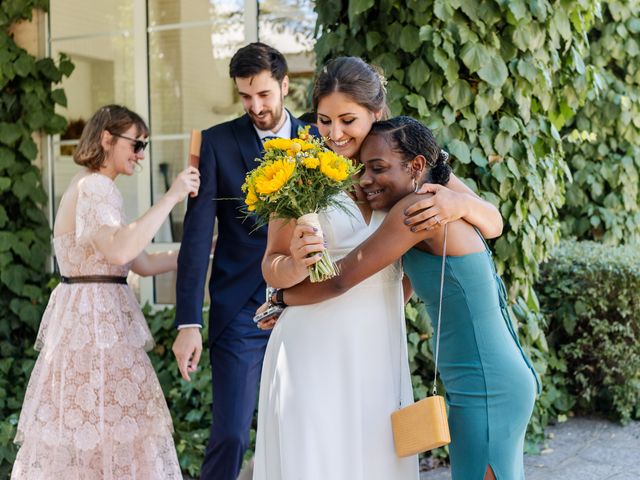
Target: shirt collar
(283, 132)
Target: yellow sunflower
(333, 166)
(273, 176)
(310, 162)
(251, 199)
(278, 144)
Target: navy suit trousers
(236, 362)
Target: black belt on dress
(94, 279)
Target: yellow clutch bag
(423, 426)
(420, 427)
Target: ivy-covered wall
(27, 101)
(603, 202)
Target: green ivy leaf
(494, 71)
(509, 125)
(28, 148)
(14, 277)
(373, 40)
(388, 62)
(409, 38)
(443, 9)
(561, 23)
(503, 143)
(66, 66)
(459, 150)
(59, 97)
(474, 56)
(10, 133)
(49, 70)
(5, 183)
(4, 219)
(25, 185)
(24, 65)
(419, 103)
(458, 94)
(518, 8)
(418, 73)
(433, 92)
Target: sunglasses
(138, 145)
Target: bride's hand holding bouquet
(295, 180)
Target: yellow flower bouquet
(296, 179)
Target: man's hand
(267, 323)
(187, 348)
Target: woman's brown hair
(116, 120)
(352, 76)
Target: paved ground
(580, 449)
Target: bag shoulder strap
(434, 391)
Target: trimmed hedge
(589, 293)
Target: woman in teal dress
(490, 383)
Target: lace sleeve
(99, 204)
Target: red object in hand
(194, 150)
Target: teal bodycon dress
(490, 383)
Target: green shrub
(589, 293)
(189, 402)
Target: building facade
(168, 60)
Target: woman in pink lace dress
(94, 408)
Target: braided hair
(410, 138)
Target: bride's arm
(285, 259)
(450, 203)
(382, 248)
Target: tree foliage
(603, 202)
(27, 101)
(497, 81)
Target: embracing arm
(382, 248)
(452, 202)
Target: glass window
(169, 61)
(288, 25)
(190, 44)
(97, 36)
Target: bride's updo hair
(352, 76)
(410, 138)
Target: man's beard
(269, 121)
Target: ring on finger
(437, 219)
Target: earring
(415, 185)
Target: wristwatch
(277, 298)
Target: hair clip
(445, 155)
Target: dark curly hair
(410, 138)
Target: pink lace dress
(94, 408)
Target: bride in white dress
(335, 371)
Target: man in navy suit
(236, 286)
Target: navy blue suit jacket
(227, 153)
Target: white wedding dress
(333, 373)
